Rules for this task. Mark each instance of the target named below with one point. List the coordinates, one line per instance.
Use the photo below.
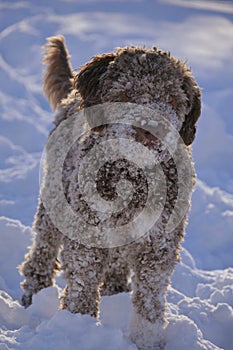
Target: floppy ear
(193, 93)
(88, 80)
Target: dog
(132, 76)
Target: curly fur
(148, 77)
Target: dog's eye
(125, 96)
(171, 99)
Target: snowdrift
(199, 308)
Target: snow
(199, 308)
(200, 299)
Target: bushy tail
(58, 73)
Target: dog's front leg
(41, 262)
(153, 262)
(84, 273)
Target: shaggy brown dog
(146, 77)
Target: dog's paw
(145, 334)
(26, 300)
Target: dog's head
(144, 76)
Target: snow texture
(199, 311)
(200, 300)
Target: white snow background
(200, 299)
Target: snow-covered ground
(200, 300)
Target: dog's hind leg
(117, 274)
(83, 270)
(41, 264)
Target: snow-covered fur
(147, 77)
